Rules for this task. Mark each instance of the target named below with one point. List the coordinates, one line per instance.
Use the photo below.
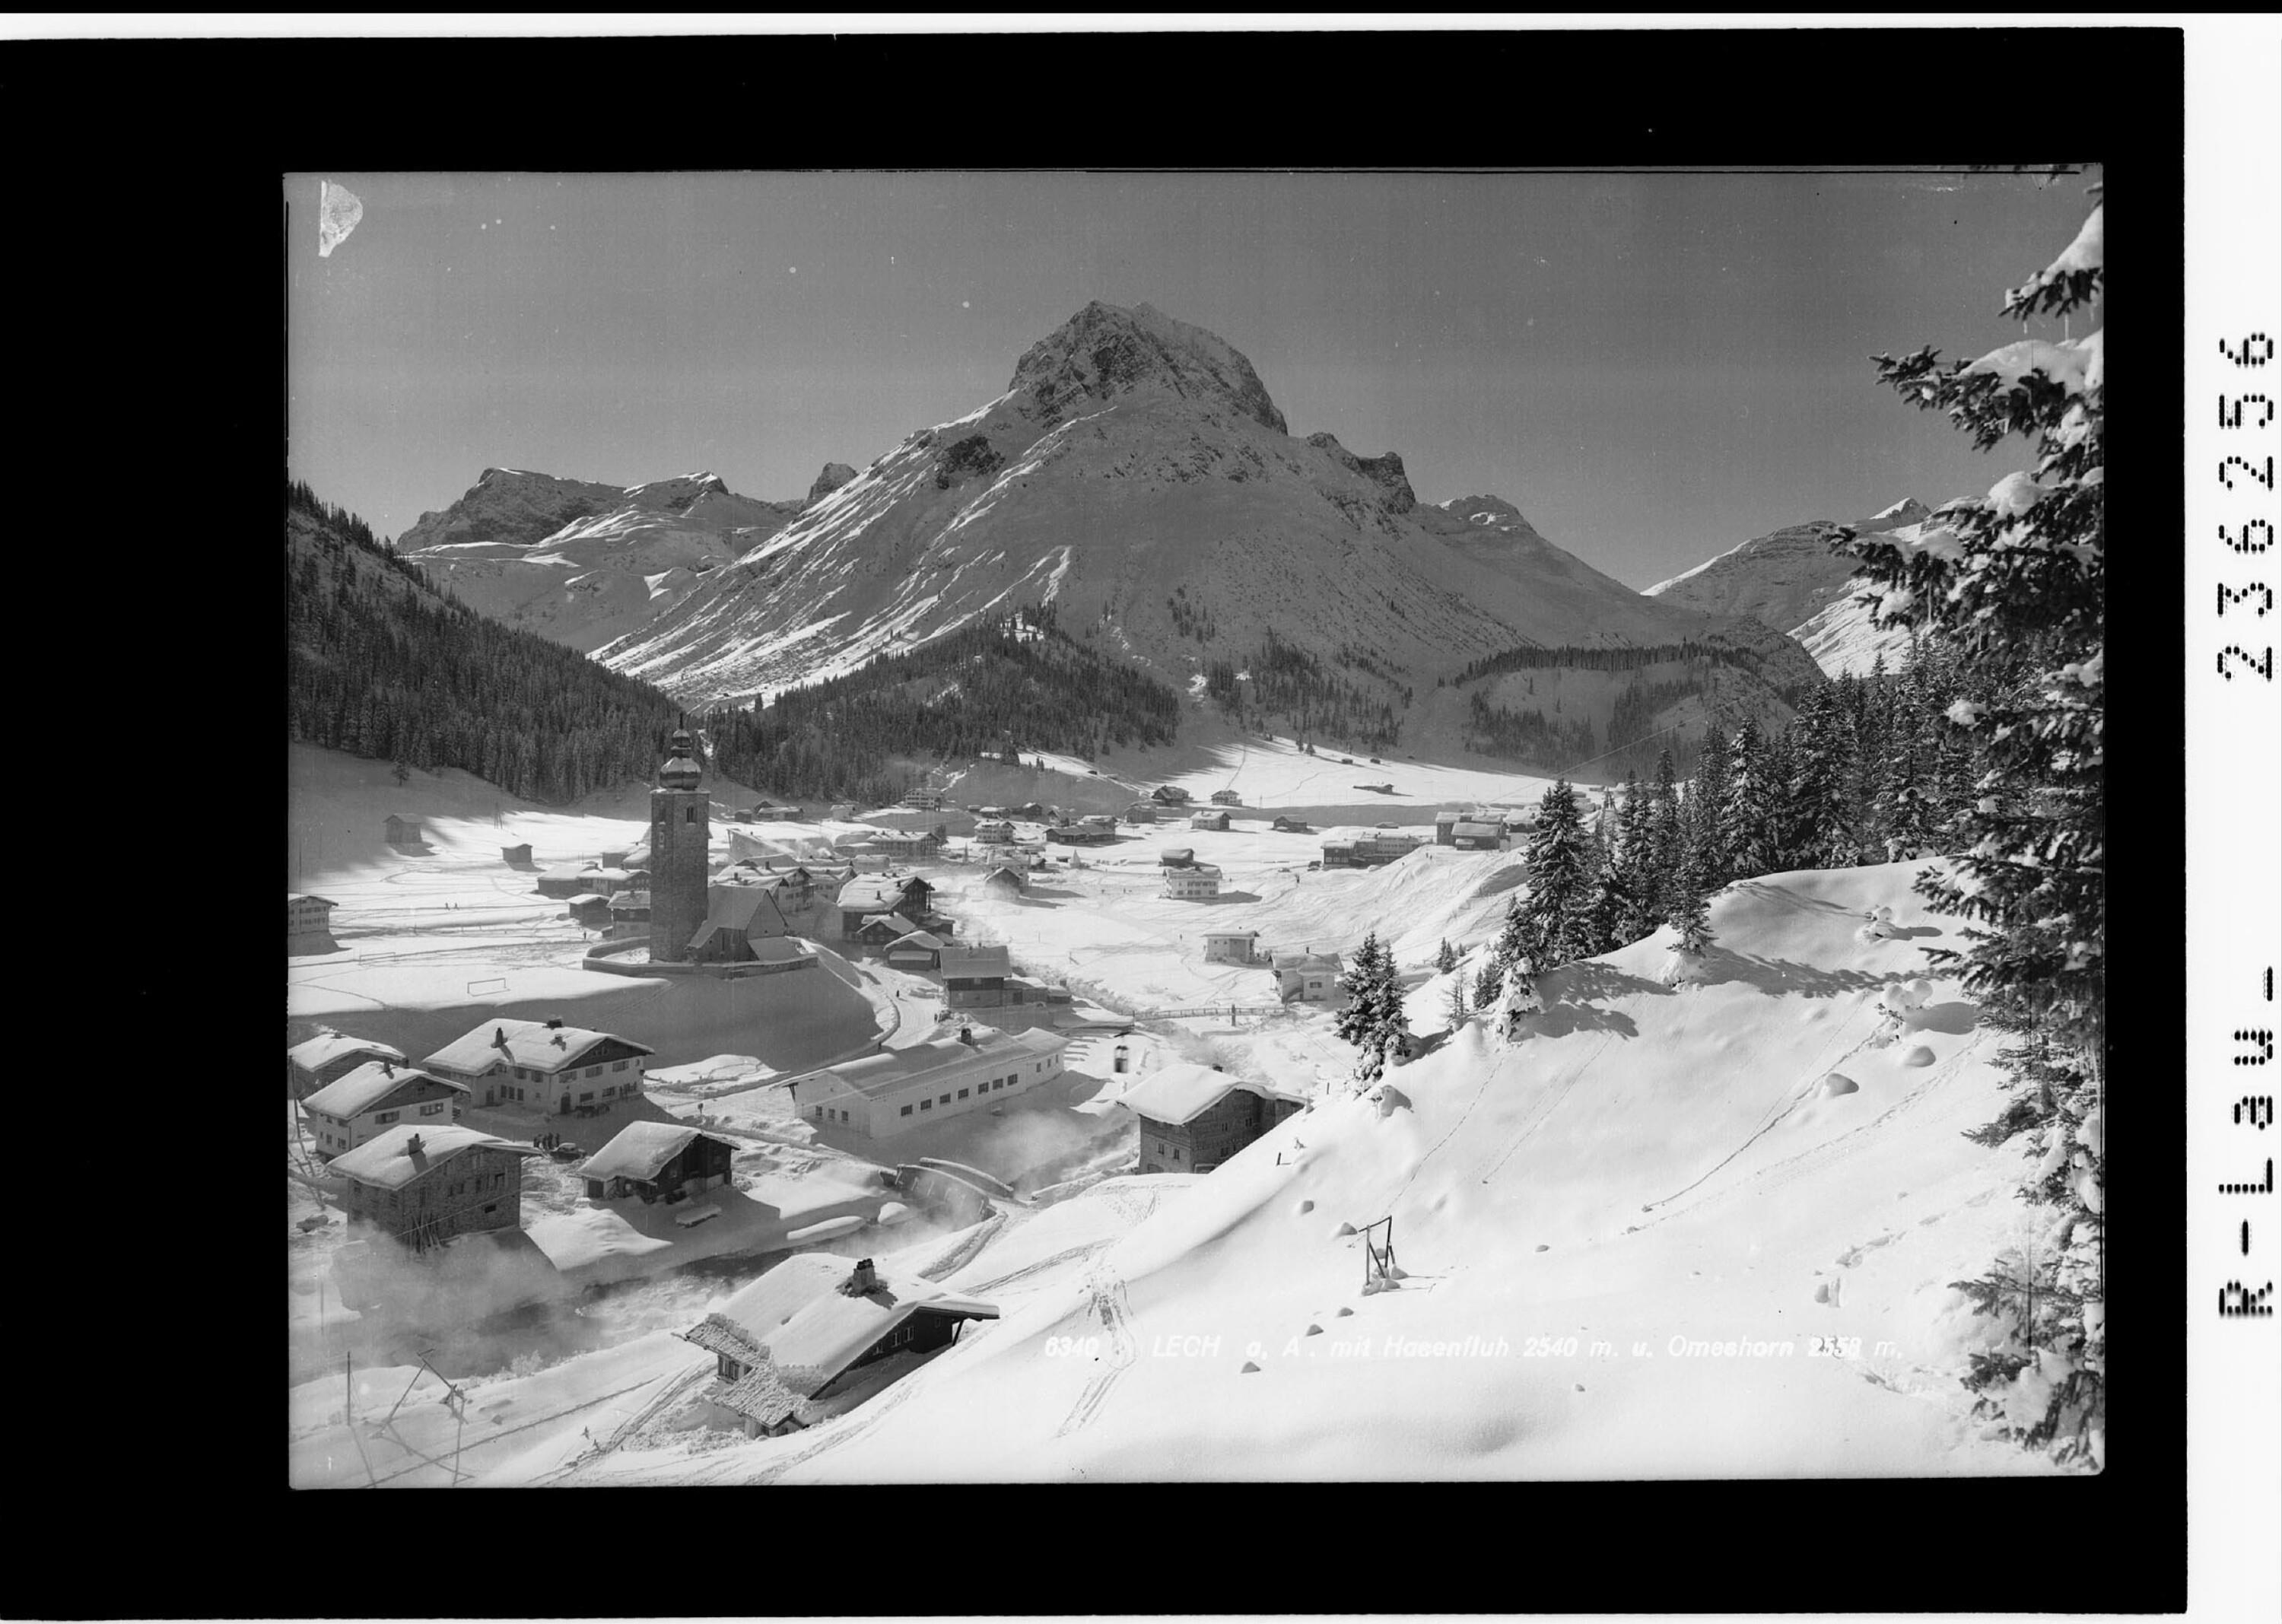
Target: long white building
(883, 1095)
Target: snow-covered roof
(975, 962)
(874, 1074)
(811, 1330)
(875, 893)
(641, 1149)
(1486, 831)
(1305, 961)
(382, 1162)
(355, 1093)
(330, 1046)
(927, 941)
(1231, 936)
(585, 899)
(310, 896)
(530, 1043)
(734, 908)
(760, 1393)
(1184, 1090)
(896, 922)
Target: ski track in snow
(1108, 1303)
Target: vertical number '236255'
(2256, 351)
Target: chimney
(412, 1146)
(862, 1279)
(555, 1023)
(387, 1070)
(499, 1038)
(967, 1036)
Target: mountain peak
(1106, 352)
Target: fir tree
(1709, 846)
(1373, 1017)
(1548, 924)
(2013, 587)
(1447, 960)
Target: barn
(788, 1342)
(400, 831)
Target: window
(944, 1101)
(926, 1105)
(432, 1108)
(593, 1071)
(388, 1117)
(964, 1093)
(493, 1207)
(498, 1179)
(587, 1097)
(1177, 1153)
(906, 1111)
(689, 814)
(618, 1065)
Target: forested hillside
(379, 665)
(1000, 686)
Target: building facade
(541, 1065)
(1197, 882)
(364, 1103)
(1193, 1118)
(329, 1056)
(425, 1185)
(883, 1095)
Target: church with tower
(680, 828)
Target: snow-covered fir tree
(1709, 847)
(1373, 1018)
(1665, 839)
(1549, 922)
(2014, 586)
(1447, 959)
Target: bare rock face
(1103, 352)
(967, 459)
(835, 476)
(1383, 472)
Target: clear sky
(1652, 367)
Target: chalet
(994, 831)
(883, 931)
(866, 896)
(1141, 811)
(1471, 836)
(1031, 809)
(515, 856)
(1080, 835)
(917, 950)
(1446, 828)
(1310, 977)
(736, 917)
(1198, 881)
(376, 1096)
(1226, 797)
(844, 814)
(425, 1185)
(541, 1065)
(330, 1056)
(974, 977)
(1098, 820)
(883, 1095)
(564, 882)
(1292, 826)
(923, 800)
(1004, 882)
(1216, 819)
(1170, 795)
(610, 882)
(590, 908)
(309, 923)
(1176, 857)
(1231, 946)
(658, 1161)
(1193, 1118)
(629, 908)
(813, 1328)
(403, 831)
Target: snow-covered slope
(1706, 1230)
(581, 563)
(1133, 457)
(1791, 581)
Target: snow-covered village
(1108, 937)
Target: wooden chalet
(1169, 795)
(516, 857)
(309, 923)
(1004, 882)
(974, 977)
(657, 1161)
(866, 895)
(1311, 977)
(1226, 797)
(1214, 820)
(1292, 826)
(400, 831)
(917, 950)
(1141, 811)
(425, 1185)
(1231, 946)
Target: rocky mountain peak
(835, 476)
(1105, 353)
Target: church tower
(679, 829)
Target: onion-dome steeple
(681, 768)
